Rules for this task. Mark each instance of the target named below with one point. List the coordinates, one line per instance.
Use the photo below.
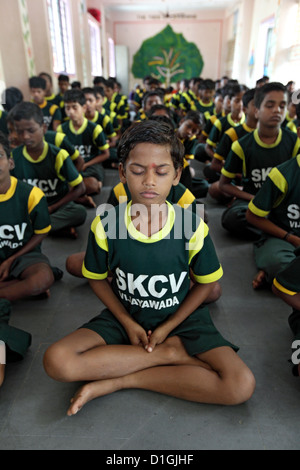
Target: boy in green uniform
(213, 170)
(255, 155)
(103, 119)
(86, 137)
(24, 270)
(205, 104)
(286, 286)
(154, 334)
(51, 112)
(235, 118)
(49, 96)
(275, 210)
(48, 167)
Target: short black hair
(63, 78)
(45, 74)
(5, 144)
(99, 90)
(153, 132)
(260, 93)
(37, 82)
(235, 90)
(110, 83)
(194, 116)
(27, 111)
(11, 96)
(206, 85)
(248, 96)
(147, 95)
(164, 119)
(159, 107)
(98, 80)
(75, 96)
(89, 91)
(76, 84)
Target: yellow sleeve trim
(76, 182)
(296, 148)
(59, 161)
(197, 240)
(283, 289)
(90, 275)
(99, 233)
(256, 211)
(279, 180)
(211, 143)
(186, 199)
(45, 230)
(218, 157)
(213, 277)
(228, 174)
(34, 198)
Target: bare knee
(215, 294)
(74, 264)
(39, 282)
(240, 389)
(57, 365)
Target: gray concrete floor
(33, 407)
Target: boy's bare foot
(87, 201)
(91, 391)
(42, 295)
(259, 280)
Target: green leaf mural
(169, 57)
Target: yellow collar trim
(11, 191)
(263, 144)
(134, 233)
(81, 129)
(41, 157)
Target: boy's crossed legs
(217, 376)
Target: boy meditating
(152, 319)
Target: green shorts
(197, 332)
(94, 171)
(25, 261)
(16, 341)
(288, 280)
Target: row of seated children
(30, 141)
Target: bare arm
(99, 159)
(6, 264)
(232, 190)
(72, 195)
(265, 225)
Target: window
(61, 36)
(112, 59)
(95, 45)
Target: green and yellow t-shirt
(23, 213)
(89, 140)
(254, 159)
(53, 172)
(151, 275)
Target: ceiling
(165, 5)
